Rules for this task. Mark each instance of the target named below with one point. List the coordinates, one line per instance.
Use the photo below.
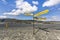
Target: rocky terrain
(27, 34)
(51, 35)
(17, 35)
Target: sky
(17, 8)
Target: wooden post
(6, 24)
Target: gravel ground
(27, 34)
(51, 35)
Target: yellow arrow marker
(28, 14)
(41, 13)
(40, 19)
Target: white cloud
(3, 17)
(53, 18)
(49, 3)
(4, 1)
(22, 7)
(13, 12)
(35, 2)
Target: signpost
(37, 15)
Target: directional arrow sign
(41, 13)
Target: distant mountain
(16, 21)
(28, 21)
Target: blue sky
(17, 8)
